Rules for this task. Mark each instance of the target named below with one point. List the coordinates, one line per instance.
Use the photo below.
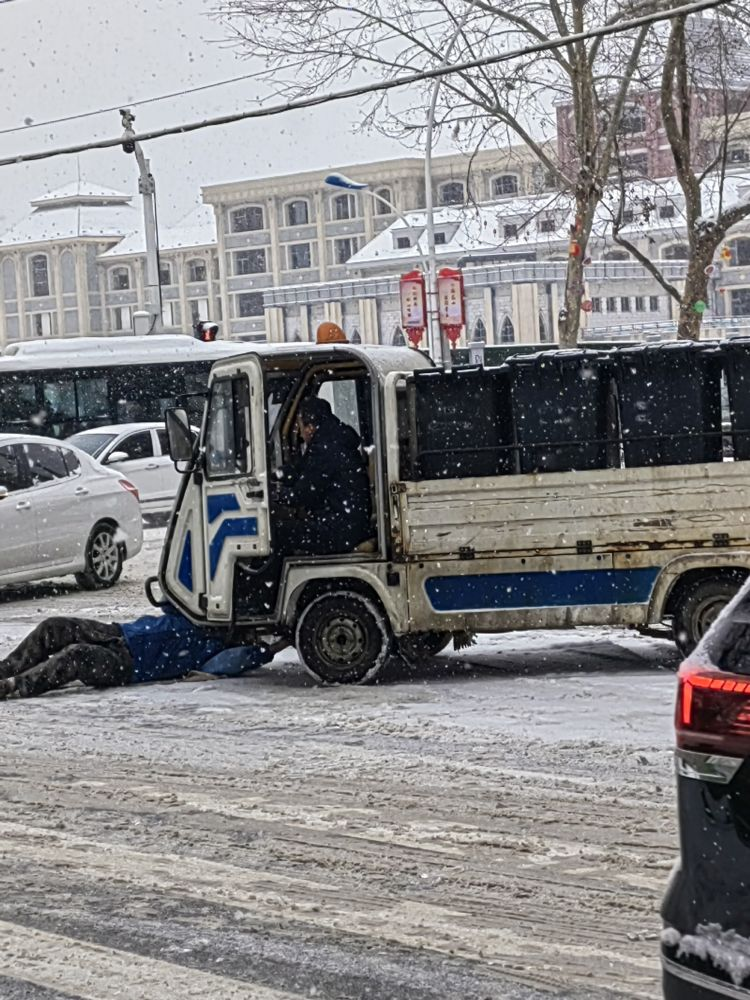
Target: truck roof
(381, 360)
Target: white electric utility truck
(563, 489)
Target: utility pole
(147, 189)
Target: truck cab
(218, 564)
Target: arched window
(451, 193)
(247, 220)
(39, 274)
(9, 280)
(480, 330)
(398, 339)
(740, 249)
(675, 251)
(355, 337)
(119, 279)
(507, 331)
(633, 120)
(297, 212)
(196, 270)
(68, 271)
(504, 185)
(616, 255)
(344, 207)
(383, 207)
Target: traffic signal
(206, 332)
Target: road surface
(498, 827)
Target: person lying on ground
(102, 654)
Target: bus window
(59, 407)
(93, 402)
(18, 406)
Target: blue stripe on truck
(567, 588)
(235, 527)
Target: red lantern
(451, 308)
(413, 305)
(587, 305)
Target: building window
(165, 274)
(121, 318)
(198, 310)
(510, 230)
(343, 250)
(596, 305)
(611, 304)
(250, 304)
(616, 255)
(635, 165)
(440, 239)
(741, 301)
(625, 303)
(403, 242)
(247, 220)
(344, 207)
(740, 252)
(355, 337)
(738, 154)
(507, 331)
(383, 201)
(666, 211)
(196, 270)
(41, 324)
(398, 339)
(548, 225)
(250, 262)
(628, 216)
(39, 275)
(119, 279)
(633, 120)
(451, 193)
(653, 303)
(640, 304)
(297, 213)
(300, 257)
(505, 185)
(676, 251)
(170, 314)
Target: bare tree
(705, 62)
(308, 45)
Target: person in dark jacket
(101, 654)
(329, 484)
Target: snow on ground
(498, 825)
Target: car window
(12, 468)
(161, 433)
(92, 444)
(137, 445)
(72, 461)
(46, 463)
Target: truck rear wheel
(699, 607)
(342, 637)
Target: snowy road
(500, 827)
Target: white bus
(60, 387)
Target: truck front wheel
(342, 637)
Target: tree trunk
(569, 321)
(696, 291)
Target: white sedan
(61, 512)
(140, 452)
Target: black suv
(706, 910)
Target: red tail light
(127, 485)
(713, 711)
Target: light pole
(342, 181)
(147, 189)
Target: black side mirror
(180, 436)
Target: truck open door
(223, 510)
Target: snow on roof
(81, 192)
(196, 229)
(538, 222)
(77, 210)
(126, 350)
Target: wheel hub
(104, 556)
(342, 641)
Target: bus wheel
(417, 648)
(342, 637)
(104, 559)
(699, 607)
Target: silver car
(61, 512)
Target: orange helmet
(330, 333)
